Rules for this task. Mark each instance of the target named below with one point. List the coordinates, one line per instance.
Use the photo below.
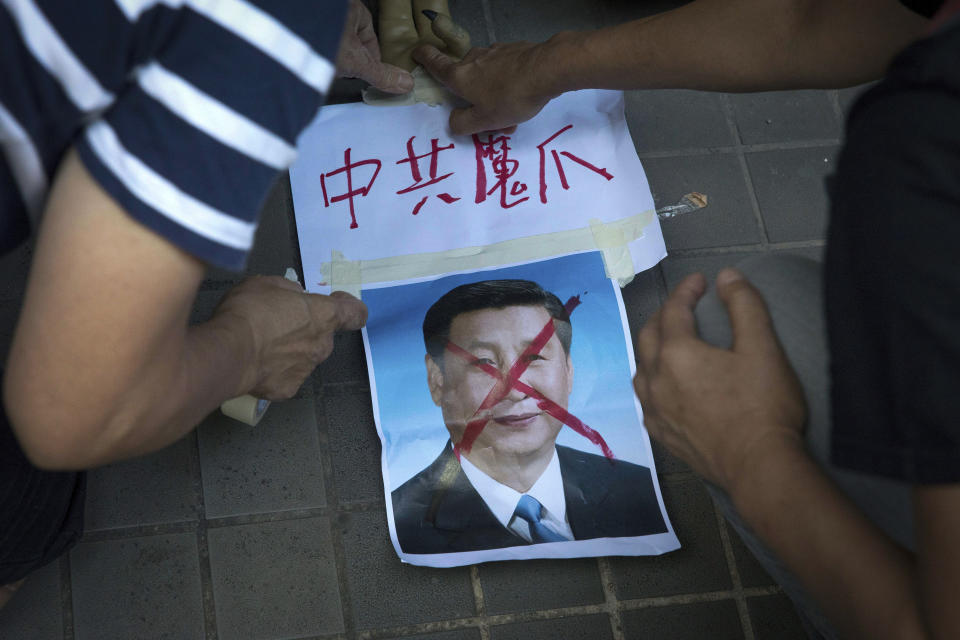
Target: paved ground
(279, 531)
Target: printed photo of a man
(498, 366)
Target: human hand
(289, 331)
(717, 409)
(405, 25)
(505, 84)
(359, 55)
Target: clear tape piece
(612, 238)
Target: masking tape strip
(611, 238)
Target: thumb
(453, 35)
(388, 78)
(438, 64)
(466, 121)
(350, 312)
(749, 319)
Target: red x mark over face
(504, 384)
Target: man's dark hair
(490, 294)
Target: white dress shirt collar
(502, 500)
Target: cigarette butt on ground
(690, 202)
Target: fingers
(351, 313)
(648, 345)
(677, 313)
(466, 121)
(749, 318)
(438, 64)
(387, 77)
(453, 35)
(427, 35)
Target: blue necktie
(529, 509)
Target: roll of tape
(246, 409)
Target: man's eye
(535, 356)
(481, 362)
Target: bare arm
(104, 365)
(720, 45)
(735, 416)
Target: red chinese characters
(351, 193)
(418, 181)
(556, 160)
(496, 150)
(496, 172)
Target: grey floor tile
(774, 618)
(354, 445)
(510, 587)
(533, 21)
(791, 191)
(160, 487)
(386, 592)
(594, 627)
(663, 120)
(752, 573)
(714, 620)
(34, 612)
(347, 363)
(642, 298)
(14, 268)
(275, 580)
(728, 218)
(850, 95)
(666, 461)
(274, 466)
(140, 588)
(676, 269)
(459, 634)
(784, 116)
(9, 313)
(814, 253)
(700, 565)
(469, 15)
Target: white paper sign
(466, 433)
(379, 182)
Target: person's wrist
(777, 448)
(557, 68)
(235, 339)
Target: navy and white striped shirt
(183, 110)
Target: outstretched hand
(359, 54)
(717, 409)
(290, 331)
(505, 84)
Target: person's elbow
(53, 433)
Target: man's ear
(434, 379)
(569, 375)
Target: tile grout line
(743, 248)
(480, 602)
(610, 595)
(742, 612)
(207, 597)
(756, 147)
(66, 596)
(474, 622)
(745, 170)
(834, 98)
(333, 504)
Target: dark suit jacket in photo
(439, 511)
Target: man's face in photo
(516, 427)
